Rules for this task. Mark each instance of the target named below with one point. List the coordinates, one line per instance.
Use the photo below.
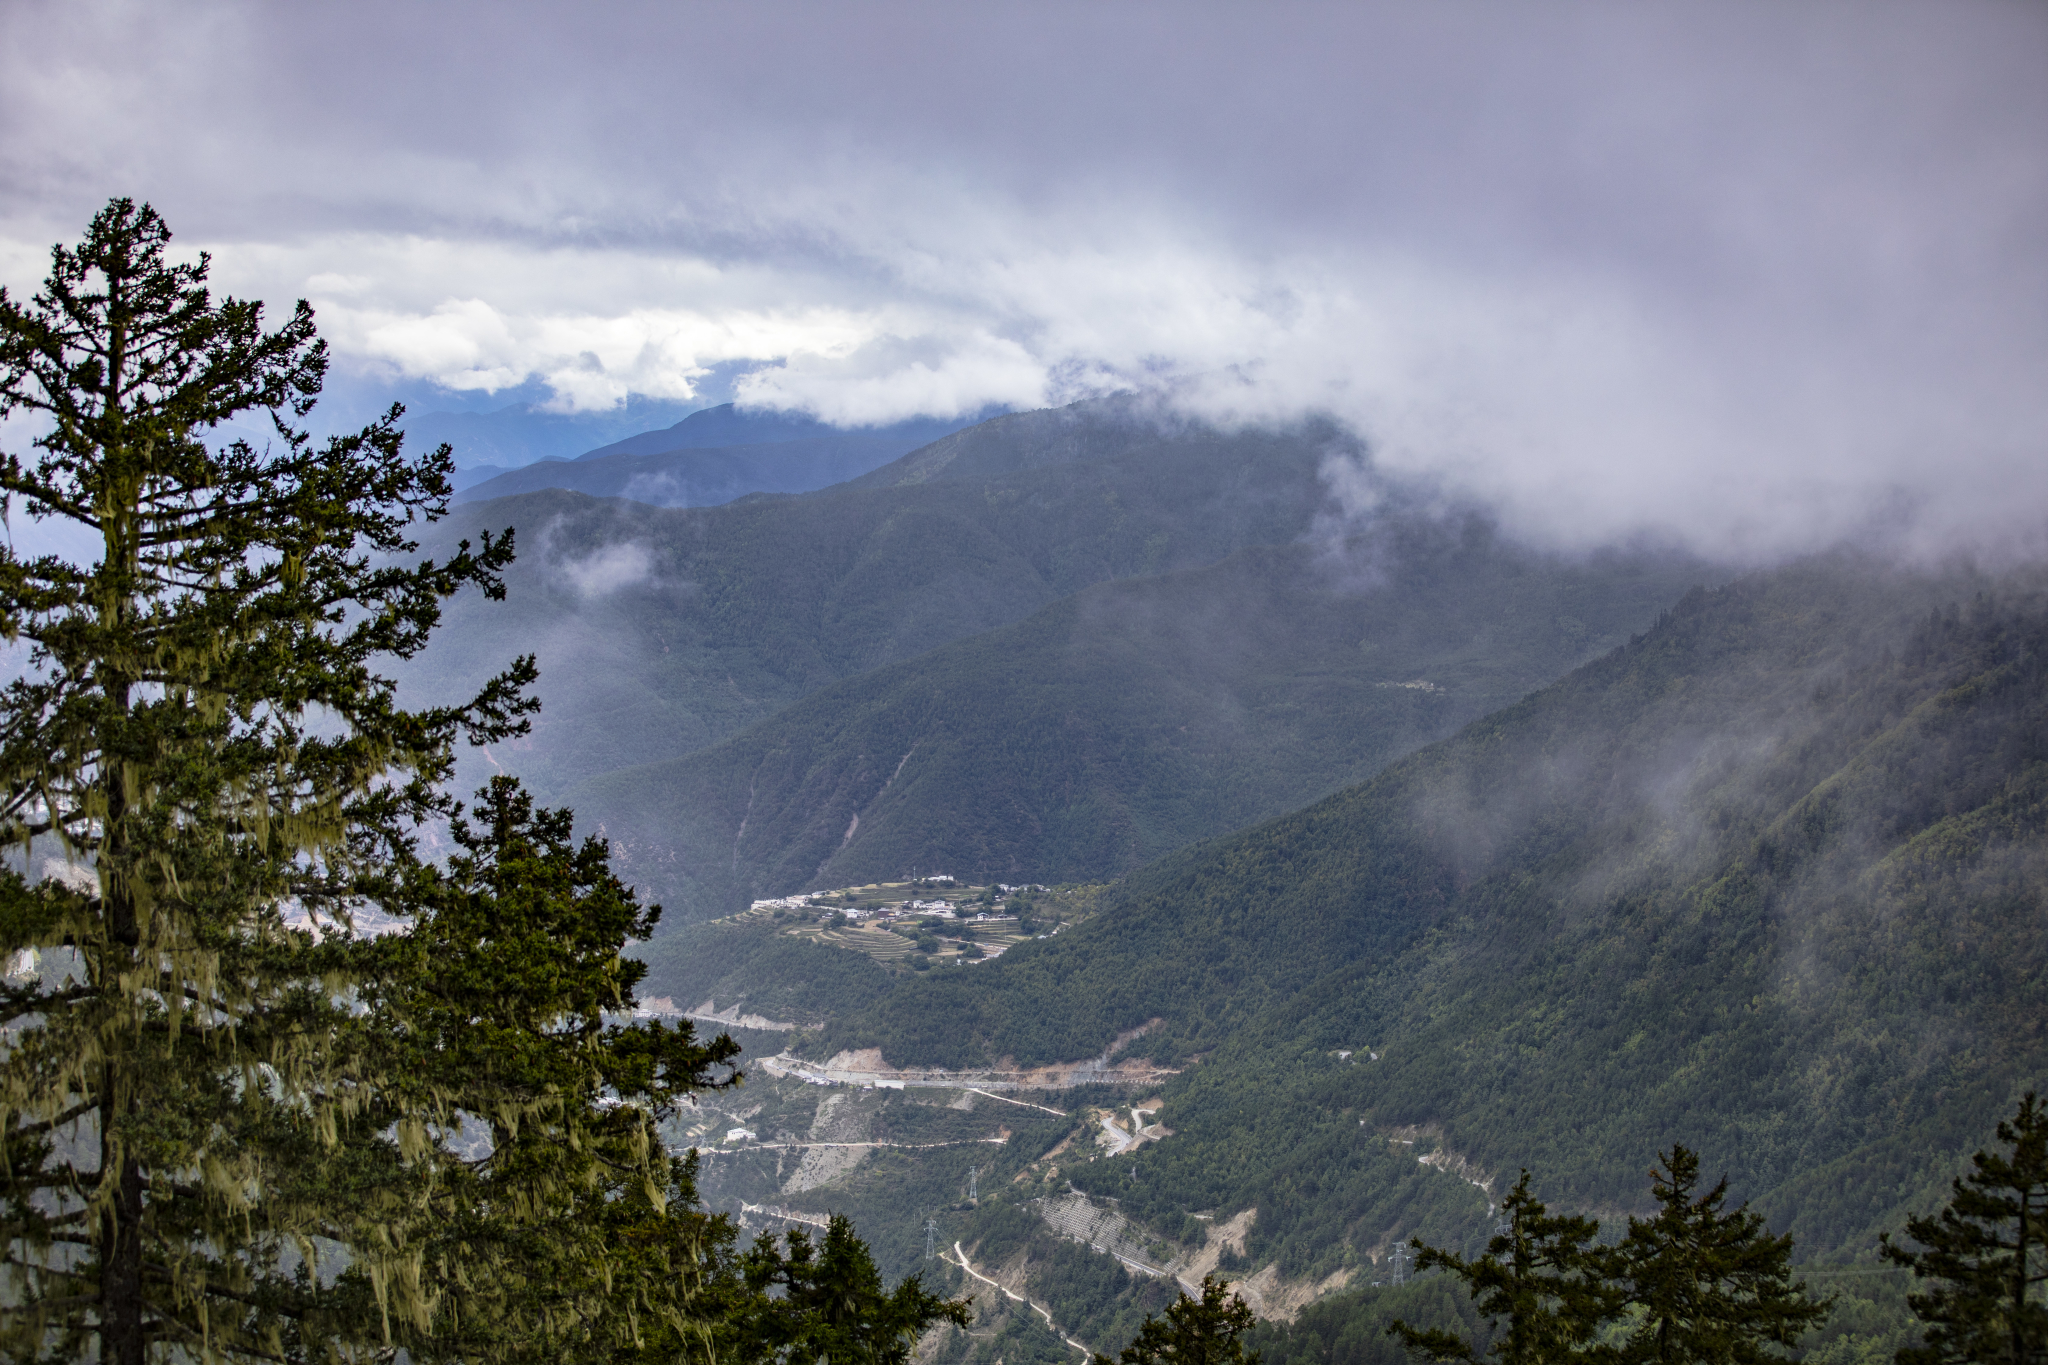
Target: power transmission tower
(931, 1231)
(1399, 1261)
(973, 1184)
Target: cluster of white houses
(787, 902)
(938, 909)
(910, 909)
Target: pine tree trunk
(121, 1328)
(121, 1333)
(122, 1341)
(2021, 1251)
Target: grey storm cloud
(1758, 276)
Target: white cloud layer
(609, 568)
(1755, 276)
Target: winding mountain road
(968, 1266)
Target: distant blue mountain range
(726, 425)
(491, 441)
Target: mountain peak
(724, 425)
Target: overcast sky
(1761, 275)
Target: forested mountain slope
(699, 477)
(718, 454)
(1768, 880)
(662, 631)
(1081, 433)
(728, 425)
(1126, 720)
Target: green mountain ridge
(1126, 720)
(1080, 433)
(715, 455)
(728, 425)
(663, 631)
(698, 476)
(1766, 880)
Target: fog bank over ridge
(1753, 278)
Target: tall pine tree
(1712, 1286)
(199, 766)
(1697, 1284)
(1987, 1256)
(1204, 1331)
(231, 1127)
(1544, 1275)
(532, 1201)
(821, 1303)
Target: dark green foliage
(1291, 1146)
(1204, 1331)
(1351, 1328)
(1694, 1283)
(827, 1304)
(1869, 1321)
(525, 1184)
(1014, 1336)
(1987, 1255)
(1545, 1275)
(1002, 1231)
(1091, 1296)
(1708, 1285)
(502, 984)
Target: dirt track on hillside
(868, 1067)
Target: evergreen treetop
(1695, 1284)
(823, 1303)
(1711, 1284)
(1986, 1255)
(1543, 1274)
(1204, 1331)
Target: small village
(928, 922)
